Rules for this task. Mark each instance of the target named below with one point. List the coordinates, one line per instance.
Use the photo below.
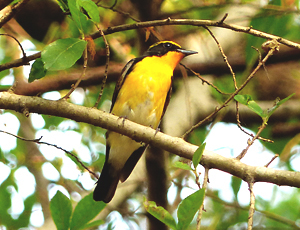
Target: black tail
(107, 184)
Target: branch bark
(4, 3)
(178, 146)
(13, 12)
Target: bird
(142, 94)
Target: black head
(161, 48)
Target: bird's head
(169, 51)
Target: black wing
(126, 70)
(167, 99)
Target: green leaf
(37, 71)
(236, 185)
(198, 154)
(160, 213)
(91, 8)
(181, 165)
(79, 18)
(277, 103)
(94, 224)
(63, 5)
(188, 208)
(85, 211)
(61, 211)
(250, 103)
(63, 53)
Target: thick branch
(13, 12)
(94, 75)
(178, 146)
(4, 3)
(64, 80)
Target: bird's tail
(107, 184)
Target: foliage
(186, 211)
(63, 53)
(251, 104)
(86, 210)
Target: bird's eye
(167, 45)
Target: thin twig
(273, 158)
(252, 206)
(38, 141)
(272, 47)
(270, 53)
(85, 61)
(197, 178)
(118, 11)
(269, 215)
(231, 71)
(20, 61)
(223, 55)
(250, 142)
(224, 18)
(73, 155)
(238, 114)
(243, 130)
(147, 30)
(204, 186)
(23, 52)
(203, 80)
(21, 138)
(106, 68)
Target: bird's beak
(186, 52)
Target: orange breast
(143, 94)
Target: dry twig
(223, 54)
(85, 58)
(106, 68)
(270, 53)
(38, 141)
(252, 206)
(204, 186)
(21, 47)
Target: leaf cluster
(86, 210)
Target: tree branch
(4, 3)
(64, 80)
(169, 21)
(252, 206)
(230, 98)
(13, 12)
(193, 22)
(20, 61)
(145, 134)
